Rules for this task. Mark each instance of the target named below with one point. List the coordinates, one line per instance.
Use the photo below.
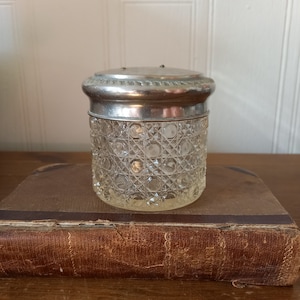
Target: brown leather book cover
(53, 224)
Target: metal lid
(144, 93)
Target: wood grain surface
(281, 173)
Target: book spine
(252, 256)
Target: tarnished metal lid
(114, 92)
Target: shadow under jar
(148, 130)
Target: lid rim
(121, 111)
(145, 88)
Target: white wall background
(250, 47)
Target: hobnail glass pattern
(149, 165)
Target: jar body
(149, 165)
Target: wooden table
(280, 172)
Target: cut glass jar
(148, 130)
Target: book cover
(53, 224)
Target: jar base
(156, 202)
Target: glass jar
(148, 129)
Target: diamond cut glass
(150, 165)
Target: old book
(54, 225)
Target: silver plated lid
(148, 93)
